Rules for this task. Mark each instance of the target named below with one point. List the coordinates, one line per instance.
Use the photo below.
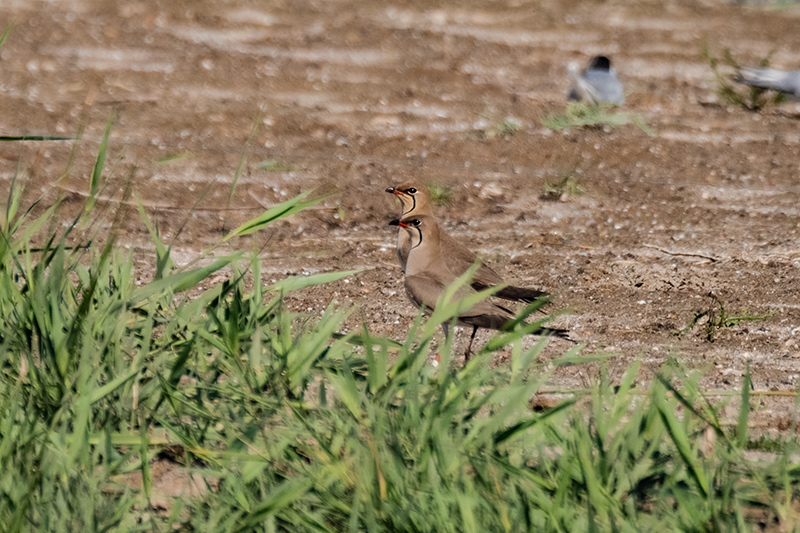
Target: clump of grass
(341, 212)
(747, 97)
(767, 443)
(716, 317)
(585, 115)
(507, 127)
(441, 195)
(562, 188)
(287, 424)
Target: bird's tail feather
(555, 332)
(520, 294)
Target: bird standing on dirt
(784, 81)
(416, 201)
(596, 83)
(427, 276)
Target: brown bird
(427, 276)
(416, 200)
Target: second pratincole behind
(415, 200)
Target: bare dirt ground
(356, 96)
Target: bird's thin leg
(446, 330)
(469, 346)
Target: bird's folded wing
(424, 291)
(459, 259)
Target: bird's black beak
(395, 222)
(390, 189)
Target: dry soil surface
(355, 96)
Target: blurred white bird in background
(596, 83)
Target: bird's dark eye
(412, 190)
(416, 222)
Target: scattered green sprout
(716, 317)
(562, 188)
(585, 115)
(747, 97)
(274, 166)
(5, 35)
(778, 5)
(170, 158)
(441, 195)
(341, 212)
(507, 127)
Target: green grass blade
(289, 207)
(181, 281)
(12, 204)
(295, 283)
(163, 261)
(744, 409)
(99, 166)
(5, 35)
(240, 167)
(347, 391)
(285, 494)
(677, 433)
(111, 386)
